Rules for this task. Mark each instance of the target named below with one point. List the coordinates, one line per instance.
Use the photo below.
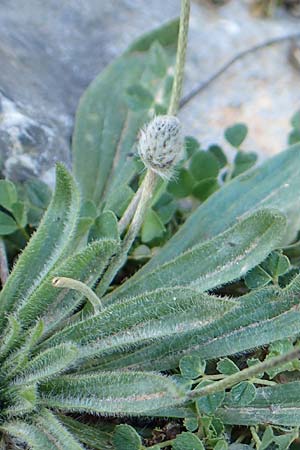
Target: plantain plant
(164, 282)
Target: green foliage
(209, 403)
(236, 134)
(192, 367)
(212, 286)
(187, 441)
(275, 405)
(294, 135)
(126, 437)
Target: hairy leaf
(48, 244)
(30, 434)
(57, 433)
(259, 318)
(121, 393)
(92, 435)
(54, 304)
(136, 322)
(276, 405)
(218, 261)
(48, 363)
(275, 184)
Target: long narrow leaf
(225, 258)
(140, 320)
(258, 319)
(275, 184)
(117, 393)
(275, 405)
(30, 434)
(92, 435)
(56, 431)
(48, 244)
(54, 305)
(48, 363)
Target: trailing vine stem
(140, 202)
(245, 374)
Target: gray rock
(50, 51)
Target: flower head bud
(161, 145)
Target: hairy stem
(174, 101)
(180, 57)
(128, 214)
(70, 283)
(119, 260)
(245, 374)
(4, 272)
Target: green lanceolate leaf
(275, 184)
(30, 434)
(275, 405)
(92, 435)
(225, 258)
(48, 244)
(85, 266)
(22, 400)
(106, 130)
(46, 364)
(259, 318)
(10, 337)
(124, 393)
(136, 322)
(47, 422)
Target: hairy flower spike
(161, 145)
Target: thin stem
(141, 200)
(263, 382)
(4, 272)
(180, 57)
(204, 84)
(255, 437)
(128, 214)
(70, 283)
(245, 374)
(165, 444)
(119, 260)
(174, 101)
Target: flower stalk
(160, 148)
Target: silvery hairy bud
(161, 145)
